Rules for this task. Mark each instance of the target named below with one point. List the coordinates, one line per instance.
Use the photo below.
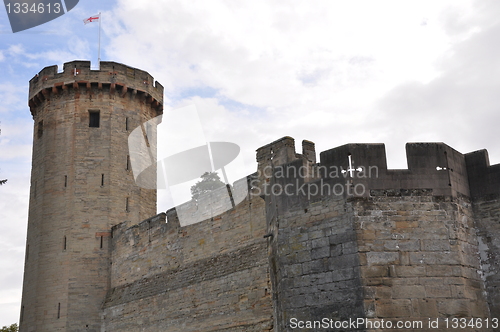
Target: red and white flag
(93, 18)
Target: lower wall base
(229, 292)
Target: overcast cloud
(332, 72)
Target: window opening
(40, 129)
(94, 117)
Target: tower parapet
(111, 77)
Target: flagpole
(99, 47)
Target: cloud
(332, 73)
(11, 96)
(13, 226)
(16, 55)
(460, 107)
(266, 53)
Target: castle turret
(81, 185)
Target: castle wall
(403, 245)
(315, 263)
(485, 188)
(404, 248)
(419, 256)
(208, 276)
(487, 213)
(299, 241)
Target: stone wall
(485, 189)
(345, 238)
(208, 276)
(315, 263)
(404, 248)
(419, 256)
(487, 214)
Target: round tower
(81, 185)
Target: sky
(332, 72)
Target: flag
(93, 18)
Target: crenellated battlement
(393, 250)
(434, 166)
(162, 243)
(112, 77)
(484, 179)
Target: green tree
(209, 181)
(12, 328)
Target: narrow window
(101, 241)
(65, 242)
(58, 310)
(40, 129)
(65, 181)
(22, 314)
(149, 131)
(102, 180)
(128, 163)
(126, 205)
(27, 252)
(34, 190)
(126, 124)
(94, 119)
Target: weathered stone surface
(80, 188)
(348, 238)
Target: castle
(342, 244)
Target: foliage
(12, 328)
(209, 181)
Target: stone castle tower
(81, 185)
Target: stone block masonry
(419, 257)
(209, 276)
(81, 187)
(345, 238)
(405, 249)
(487, 216)
(395, 254)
